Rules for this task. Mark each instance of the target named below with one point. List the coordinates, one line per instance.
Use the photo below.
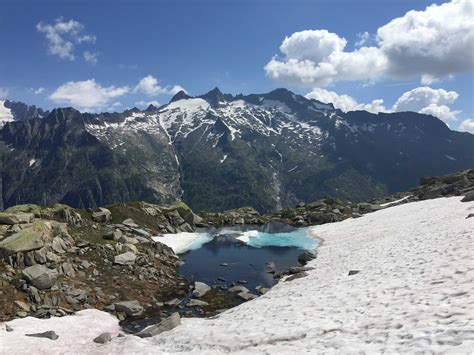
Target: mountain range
(218, 151)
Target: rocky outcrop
(64, 260)
(40, 276)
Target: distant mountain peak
(151, 107)
(180, 95)
(214, 97)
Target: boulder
(468, 197)
(40, 276)
(200, 289)
(129, 248)
(127, 258)
(307, 256)
(130, 223)
(22, 305)
(101, 215)
(16, 218)
(49, 335)
(246, 296)
(52, 258)
(128, 240)
(40, 256)
(166, 324)
(103, 338)
(28, 239)
(239, 289)
(130, 308)
(197, 303)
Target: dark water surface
(226, 260)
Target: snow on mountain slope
(414, 292)
(5, 114)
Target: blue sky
(200, 44)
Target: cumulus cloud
(429, 44)
(345, 103)
(422, 100)
(3, 93)
(62, 37)
(429, 101)
(39, 91)
(467, 126)
(87, 95)
(150, 86)
(91, 57)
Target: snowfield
(414, 292)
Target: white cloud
(422, 100)
(39, 91)
(363, 38)
(87, 95)
(429, 44)
(345, 103)
(3, 93)
(149, 85)
(467, 126)
(429, 101)
(62, 36)
(145, 104)
(91, 57)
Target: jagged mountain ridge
(218, 151)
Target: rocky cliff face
(219, 151)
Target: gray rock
(58, 245)
(130, 308)
(127, 240)
(246, 296)
(297, 276)
(262, 290)
(53, 258)
(307, 256)
(40, 276)
(49, 335)
(166, 324)
(103, 338)
(16, 218)
(40, 256)
(468, 197)
(200, 289)
(239, 289)
(68, 269)
(130, 248)
(127, 258)
(130, 223)
(173, 302)
(197, 303)
(8, 328)
(102, 215)
(141, 232)
(353, 272)
(22, 305)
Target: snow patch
(299, 238)
(31, 162)
(183, 242)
